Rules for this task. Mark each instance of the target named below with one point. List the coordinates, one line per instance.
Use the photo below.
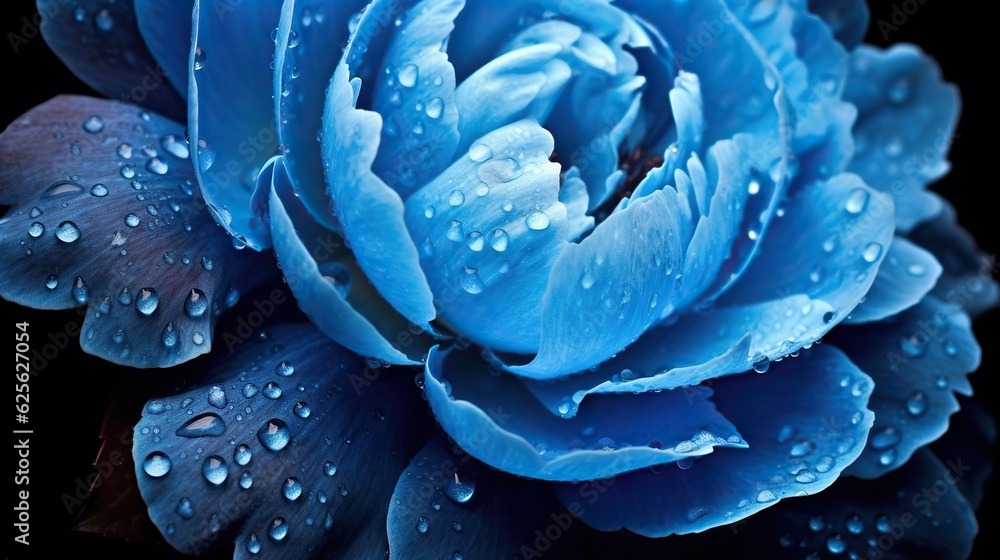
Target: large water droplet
(456, 198)
(766, 496)
(200, 58)
(217, 397)
(272, 390)
(175, 146)
(857, 201)
(208, 424)
(329, 469)
(460, 487)
(762, 365)
(291, 489)
(215, 470)
(854, 524)
(196, 303)
(36, 229)
(916, 403)
(157, 464)
(205, 153)
(274, 434)
(435, 107)
(253, 545)
(537, 220)
(132, 220)
(471, 282)
(147, 301)
(480, 152)
(872, 252)
(242, 455)
(301, 409)
(885, 438)
(476, 241)
(52, 282)
(836, 544)
(67, 232)
(278, 529)
(408, 75)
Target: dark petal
(917, 359)
(972, 436)
(100, 42)
(165, 26)
(302, 74)
(493, 417)
(847, 19)
(906, 275)
(905, 126)
(804, 420)
(230, 110)
(110, 218)
(304, 474)
(448, 505)
(329, 286)
(967, 280)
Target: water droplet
(51, 282)
(857, 201)
(274, 435)
(206, 154)
(885, 438)
(828, 317)
(329, 469)
(132, 220)
(805, 477)
(217, 397)
(422, 524)
(301, 409)
(99, 190)
(480, 152)
(950, 348)
(67, 232)
(476, 241)
(456, 198)
(80, 292)
(499, 240)
(36, 229)
(215, 470)
(696, 513)
(246, 480)
(185, 509)
(916, 403)
(127, 172)
(835, 544)
(147, 301)
(854, 524)
(872, 252)
(471, 282)
(537, 220)
(802, 448)
(242, 455)
(408, 75)
(913, 346)
(766, 496)
(882, 524)
(208, 424)
(460, 487)
(196, 303)
(762, 365)
(291, 489)
(887, 458)
(272, 390)
(253, 545)
(899, 92)
(457, 527)
(207, 264)
(785, 433)
(93, 124)
(278, 529)
(435, 107)
(157, 464)
(200, 58)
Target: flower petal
(497, 421)
(917, 360)
(415, 96)
(906, 275)
(105, 214)
(100, 42)
(448, 505)
(165, 26)
(848, 19)
(230, 110)
(492, 227)
(329, 286)
(967, 280)
(370, 212)
(302, 74)
(295, 457)
(604, 292)
(906, 121)
(803, 427)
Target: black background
(70, 399)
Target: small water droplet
(274, 435)
(215, 470)
(301, 409)
(67, 232)
(885, 438)
(278, 529)
(762, 365)
(93, 124)
(147, 301)
(456, 198)
(196, 303)
(537, 220)
(272, 390)
(200, 58)
(422, 524)
(480, 152)
(857, 201)
(217, 397)
(476, 241)
(696, 513)
(291, 489)
(916, 403)
(855, 525)
(408, 75)
(435, 107)
(329, 469)
(872, 252)
(835, 544)
(460, 487)
(242, 455)
(471, 282)
(80, 291)
(766, 496)
(253, 545)
(36, 229)
(185, 509)
(132, 220)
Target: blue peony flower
(606, 237)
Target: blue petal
(607, 290)
(100, 42)
(491, 228)
(497, 421)
(906, 275)
(828, 245)
(415, 95)
(847, 19)
(330, 288)
(967, 280)
(295, 457)
(522, 83)
(370, 212)
(104, 213)
(906, 118)
(917, 360)
(302, 75)
(803, 427)
(165, 26)
(230, 111)
(448, 505)
(573, 195)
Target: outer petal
(448, 505)
(295, 457)
(906, 275)
(165, 26)
(105, 214)
(497, 421)
(803, 423)
(906, 118)
(917, 360)
(370, 212)
(329, 286)
(230, 110)
(848, 19)
(100, 42)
